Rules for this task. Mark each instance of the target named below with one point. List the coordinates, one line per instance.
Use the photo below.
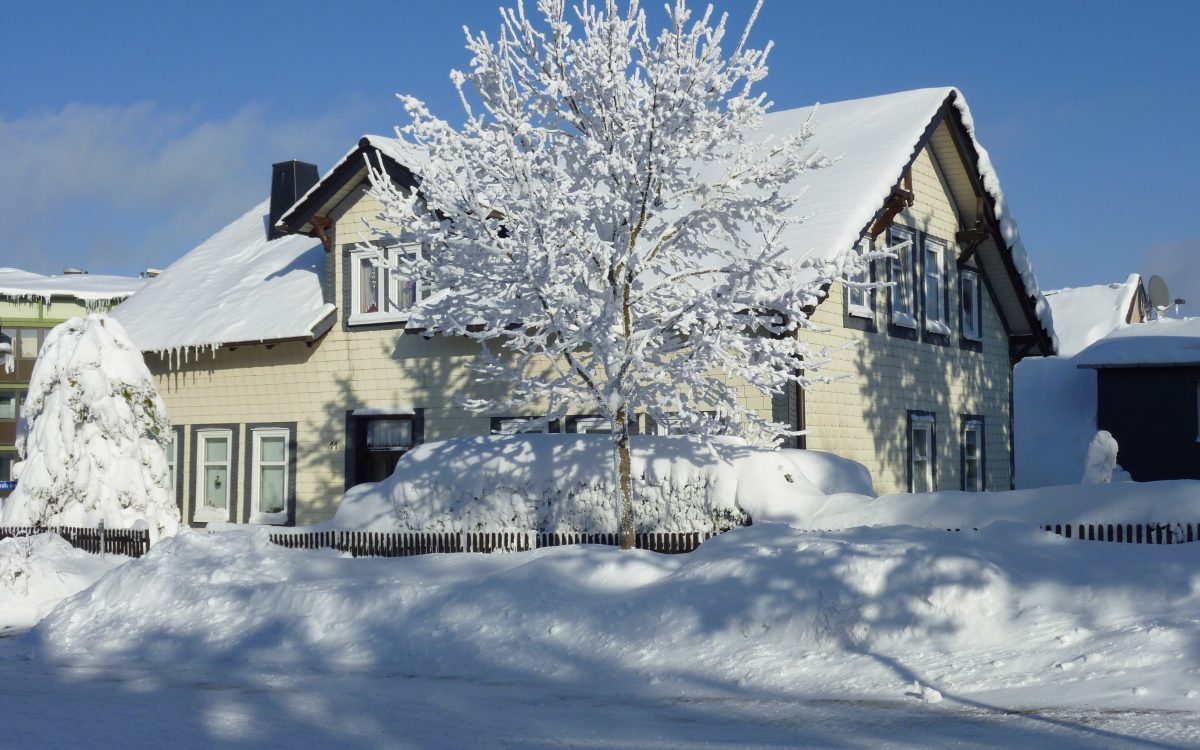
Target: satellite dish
(1160, 298)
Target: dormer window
(378, 292)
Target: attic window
(378, 292)
(900, 274)
(935, 287)
(857, 300)
(971, 308)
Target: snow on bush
(1101, 459)
(568, 482)
(92, 447)
(832, 474)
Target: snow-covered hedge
(567, 483)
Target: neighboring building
(1148, 396)
(290, 375)
(1054, 402)
(30, 305)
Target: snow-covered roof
(1157, 343)
(234, 288)
(1086, 314)
(86, 288)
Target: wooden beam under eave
(900, 199)
(321, 225)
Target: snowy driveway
(48, 706)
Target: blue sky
(131, 131)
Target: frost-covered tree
(606, 222)
(92, 447)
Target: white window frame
(520, 426)
(204, 513)
(928, 424)
(972, 319)
(936, 318)
(390, 291)
(596, 425)
(858, 301)
(257, 464)
(173, 461)
(975, 425)
(900, 274)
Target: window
(858, 301)
(8, 406)
(521, 425)
(972, 454)
(935, 287)
(971, 305)
(920, 452)
(27, 343)
(172, 462)
(6, 464)
(269, 474)
(213, 470)
(585, 425)
(379, 293)
(378, 441)
(900, 242)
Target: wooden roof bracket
(970, 239)
(901, 197)
(321, 225)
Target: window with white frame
(972, 309)
(858, 301)
(900, 241)
(519, 425)
(212, 467)
(379, 292)
(8, 406)
(920, 451)
(972, 455)
(935, 287)
(172, 460)
(597, 425)
(269, 474)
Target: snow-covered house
(291, 373)
(30, 305)
(1054, 402)
(1147, 385)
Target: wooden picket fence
(407, 544)
(1129, 533)
(128, 542)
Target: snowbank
(567, 483)
(38, 572)
(1008, 615)
(1123, 502)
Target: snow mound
(91, 449)
(37, 572)
(568, 483)
(831, 473)
(989, 614)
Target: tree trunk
(624, 478)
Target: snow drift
(568, 483)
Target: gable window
(971, 305)
(379, 293)
(269, 474)
(900, 242)
(935, 287)
(213, 474)
(858, 301)
(920, 452)
(972, 454)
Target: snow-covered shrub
(92, 446)
(567, 483)
(1101, 459)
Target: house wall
(1154, 415)
(883, 374)
(863, 415)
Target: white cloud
(1179, 265)
(116, 189)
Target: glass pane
(271, 489)
(271, 449)
(368, 286)
(921, 476)
(933, 298)
(6, 463)
(27, 343)
(389, 433)
(407, 294)
(920, 441)
(8, 406)
(972, 442)
(972, 478)
(216, 486)
(216, 449)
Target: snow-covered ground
(38, 572)
(767, 636)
